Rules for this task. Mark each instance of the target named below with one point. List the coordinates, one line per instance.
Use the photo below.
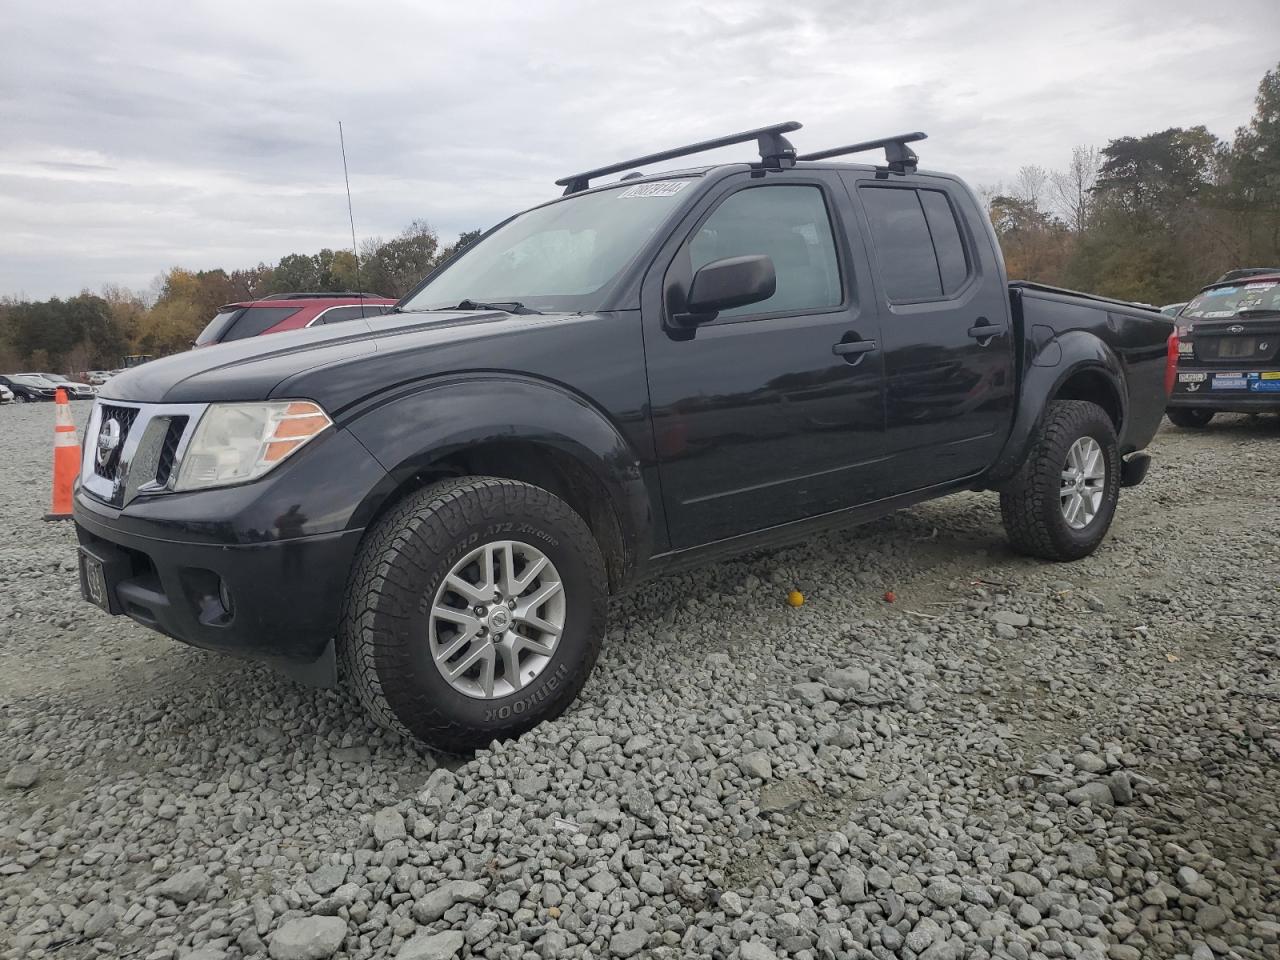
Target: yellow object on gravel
(795, 598)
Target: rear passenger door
(944, 327)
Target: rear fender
(412, 431)
(1058, 362)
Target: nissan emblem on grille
(108, 440)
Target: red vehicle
(289, 311)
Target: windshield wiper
(508, 306)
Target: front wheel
(19, 398)
(1191, 418)
(1060, 503)
(475, 611)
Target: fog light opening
(224, 597)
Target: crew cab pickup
(642, 373)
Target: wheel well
(546, 467)
(1095, 387)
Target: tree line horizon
(1149, 218)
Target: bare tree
(1073, 187)
(1030, 185)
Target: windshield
(558, 257)
(1220, 303)
(28, 380)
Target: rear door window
(341, 314)
(903, 246)
(953, 264)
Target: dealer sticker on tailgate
(1192, 377)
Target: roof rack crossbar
(775, 151)
(900, 157)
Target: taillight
(1171, 364)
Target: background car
(6, 395)
(97, 378)
(1229, 357)
(75, 389)
(28, 389)
(289, 311)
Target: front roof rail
(776, 152)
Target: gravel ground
(1012, 759)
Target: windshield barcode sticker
(663, 188)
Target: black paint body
(742, 433)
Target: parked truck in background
(638, 375)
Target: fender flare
(1057, 361)
(410, 430)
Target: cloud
(139, 136)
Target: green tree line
(1150, 218)
(96, 331)
(1147, 218)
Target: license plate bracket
(98, 577)
(1231, 347)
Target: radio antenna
(355, 251)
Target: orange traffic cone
(66, 459)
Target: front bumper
(257, 570)
(278, 602)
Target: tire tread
(432, 519)
(1028, 502)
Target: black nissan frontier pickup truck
(435, 504)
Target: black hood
(252, 369)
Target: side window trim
(838, 243)
(960, 233)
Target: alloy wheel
(496, 619)
(1084, 481)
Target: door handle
(846, 348)
(985, 331)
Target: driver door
(765, 415)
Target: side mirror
(732, 282)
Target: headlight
(239, 442)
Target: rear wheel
(1060, 503)
(1190, 417)
(475, 611)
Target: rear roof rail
(899, 157)
(321, 295)
(776, 152)
(1246, 272)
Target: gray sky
(135, 137)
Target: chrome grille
(169, 451)
(145, 459)
(124, 416)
